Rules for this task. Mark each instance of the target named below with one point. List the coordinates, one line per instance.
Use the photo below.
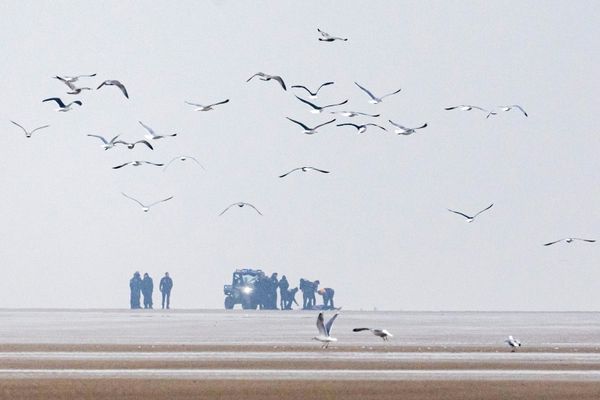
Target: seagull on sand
(570, 240)
(325, 330)
(304, 169)
(146, 208)
(514, 106)
(209, 107)
(108, 144)
(73, 78)
(313, 95)
(267, 77)
(351, 114)
(137, 163)
(466, 107)
(382, 333)
(402, 130)
(62, 106)
(71, 85)
(361, 128)
(326, 37)
(29, 133)
(112, 82)
(469, 218)
(240, 204)
(307, 130)
(183, 158)
(317, 109)
(375, 99)
(512, 342)
(131, 145)
(151, 135)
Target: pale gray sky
(376, 229)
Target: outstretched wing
(57, 100)
(143, 142)
(325, 123)
(256, 74)
(24, 130)
(459, 213)
(360, 329)
(319, 170)
(131, 198)
(391, 94)
(485, 209)
(255, 209)
(221, 102)
(321, 325)
(147, 128)
(330, 323)
(349, 124)
(38, 128)
(193, 104)
(366, 91)
(66, 82)
(520, 109)
(287, 173)
(299, 123)
(228, 207)
(102, 84)
(160, 201)
(122, 87)
(305, 88)
(101, 138)
(397, 125)
(309, 103)
(324, 34)
(152, 163)
(378, 126)
(122, 165)
(280, 80)
(585, 240)
(551, 243)
(337, 104)
(324, 84)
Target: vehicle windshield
(246, 279)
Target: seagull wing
(256, 74)
(57, 100)
(152, 163)
(325, 84)
(366, 91)
(585, 240)
(122, 165)
(160, 201)
(324, 34)
(309, 103)
(325, 123)
(459, 213)
(349, 124)
(24, 130)
(485, 209)
(280, 80)
(337, 104)
(169, 163)
(101, 138)
(391, 94)
(228, 207)
(305, 88)
(256, 209)
(397, 125)
(66, 82)
(287, 173)
(360, 329)
(131, 198)
(551, 243)
(122, 87)
(221, 102)
(521, 109)
(368, 115)
(330, 323)
(421, 127)
(318, 170)
(378, 126)
(299, 123)
(193, 104)
(143, 142)
(321, 325)
(102, 84)
(38, 128)
(147, 128)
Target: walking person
(135, 286)
(165, 286)
(147, 289)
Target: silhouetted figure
(261, 288)
(314, 286)
(165, 286)
(304, 288)
(135, 286)
(147, 289)
(327, 294)
(284, 285)
(272, 293)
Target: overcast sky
(376, 229)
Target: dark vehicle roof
(247, 271)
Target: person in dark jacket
(314, 286)
(273, 283)
(284, 285)
(304, 288)
(135, 286)
(327, 294)
(165, 286)
(147, 289)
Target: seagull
(240, 204)
(466, 107)
(469, 218)
(304, 169)
(62, 106)
(137, 164)
(326, 37)
(361, 128)
(310, 131)
(512, 342)
(71, 85)
(130, 146)
(374, 99)
(146, 208)
(74, 78)
(570, 240)
(151, 135)
(29, 133)
(206, 108)
(112, 82)
(402, 130)
(316, 109)
(183, 158)
(382, 333)
(313, 95)
(325, 330)
(518, 107)
(108, 144)
(351, 114)
(267, 77)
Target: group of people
(266, 293)
(145, 287)
(309, 301)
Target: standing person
(327, 294)
(314, 286)
(135, 285)
(283, 292)
(165, 286)
(273, 291)
(147, 289)
(304, 289)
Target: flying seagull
(313, 95)
(469, 218)
(73, 78)
(325, 330)
(466, 107)
(307, 130)
(375, 99)
(402, 130)
(317, 109)
(131, 145)
(512, 342)
(570, 240)
(304, 169)
(206, 108)
(326, 37)
(361, 128)
(108, 144)
(112, 82)
(146, 208)
(151, 135)
(183, 158)
(62, 106)
(29, 133)
(137, 163)
(71, 85)
(382, 333)
(514, 106)
(351, 114)
(240, 204)
(267, 77)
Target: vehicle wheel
(229, 303)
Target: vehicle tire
(229, 303)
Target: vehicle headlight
(247, 290)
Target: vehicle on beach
(242, 289)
